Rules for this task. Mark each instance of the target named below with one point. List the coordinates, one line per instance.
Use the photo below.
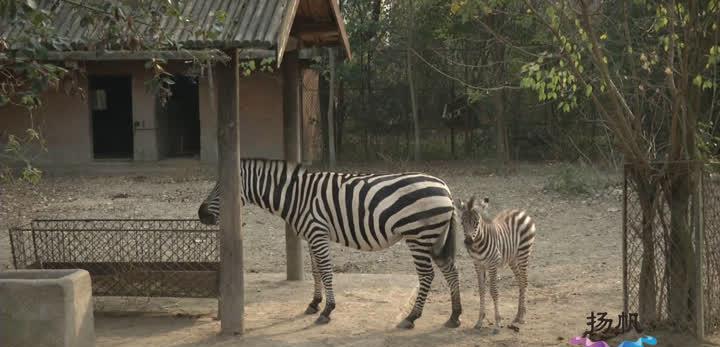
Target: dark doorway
(179, 120)
(112, 126)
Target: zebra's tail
(444, 248)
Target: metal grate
(651, 244)
(168, 258)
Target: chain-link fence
(166, 258)
(671, 266)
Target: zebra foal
(369, 212)
(506, 239)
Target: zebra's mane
(302, 168)
(266, 161)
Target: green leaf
(697, 81)
(588, 90)
(527, 82)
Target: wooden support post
(232, 290)
(292, 109)
(331, 109)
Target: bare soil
(575, 268)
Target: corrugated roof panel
(249, 23)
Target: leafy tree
(650, 70)
(28, 71)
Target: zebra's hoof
(452, 323)
(322, 320)
(514, 327)
(406, 324)
(311, 309)
(478, 325)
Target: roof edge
(341, 28)
(284, 32)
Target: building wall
(145, 143)
(66, 120)
(261, 118)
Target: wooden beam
(284, 33)
(232, 289)
(292, 110)
(341, 28)
(212, 54)
(318, 35)
(313, 27)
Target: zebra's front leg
(314, 305)
(426, 273)
(321, 252)
(480, 270)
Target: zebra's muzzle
(206, 217)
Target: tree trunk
(413, 104)
(452, 142)
(411, 86)
(501, 142)
(680, 251)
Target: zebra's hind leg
(520, 272)
(426, 273)
(480, 270)
(451, 277)
(321, 252)
(314, 305)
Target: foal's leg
(314, 306)
(494, 293)
(426, 273)
(520, 272)
(480, 270)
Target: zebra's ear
(485, 202)
(471, 203)
(458, 203)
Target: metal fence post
(626, 294)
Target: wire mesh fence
(671, 267)
(166, 258)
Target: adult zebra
(368, 212)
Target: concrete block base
(46, 308)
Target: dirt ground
(575, 268)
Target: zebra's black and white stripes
(368, 212)
(506, 239)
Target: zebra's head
(209, 211)
(471, 213)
